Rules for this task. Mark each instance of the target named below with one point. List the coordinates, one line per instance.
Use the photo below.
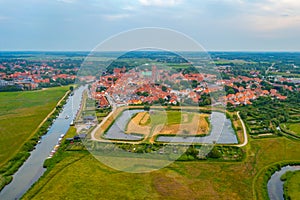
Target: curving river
(275, 185)
(33, 169)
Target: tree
(71, 88)
(147, 108)
(230, 91)
(253, 86)
(194, 84)
(230, 107)
(214, 153)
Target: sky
(218, 25)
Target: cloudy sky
(256, 25)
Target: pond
(116, 131)
(221, 131)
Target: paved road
(244, 130)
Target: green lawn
(168, 118)
(20, 115)
(294, 127)
(80, 176)
(292, 186)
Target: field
(168, 118)
(197, 126)
(137, 124)
(170, 122)
(267, 115)
(20, 115)
(79, 175)
(295, 128)
(292, 185)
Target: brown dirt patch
(198, 126)
(134, 124)
(145, 119)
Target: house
(80, 136)
(89, 119)
(173, 101)
(103, 103)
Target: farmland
(77, 174)
(170, 122)
(294, 127)
(20, 115)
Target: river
(275, 185)
(33, 169)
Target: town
(153, 86)
(140, 104)
(22, 74)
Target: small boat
(67, 117)
(62, 135)
(39, 141)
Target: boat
(67, 117)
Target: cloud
(67, 1)
(129, 8)
(262, 15)
(4, 18)
(160, 3)
(273, 23)
(114, 17)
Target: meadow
(77, 174)
(292, 185)
(294, 127)
(20, 115)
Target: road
(267, 71)
(244, 130)
(114, 107)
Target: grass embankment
(80, 175)
(291, 185)
(24, 117)
(294, 127)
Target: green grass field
(168, 118)
(20, 115)
(292, 186)
(294, 127)
(80, 176)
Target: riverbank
(291, 184)
(7, 170)
(33, 167)
(260, 189)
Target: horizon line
(213, 51)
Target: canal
(33, 169)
